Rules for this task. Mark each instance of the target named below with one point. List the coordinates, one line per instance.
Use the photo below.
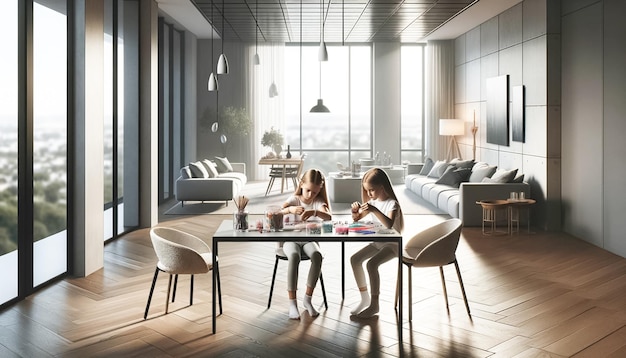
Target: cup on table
(513, 195)
(522, 195)
(341, 229)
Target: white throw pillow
(211, 168)
(438, 169)
(198, 170)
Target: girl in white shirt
(379, 204)
(309, 199)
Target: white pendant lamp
(212, 84)
(256, 60)
(222, 62)
(320, 107)
(273, 88)
(322, 53)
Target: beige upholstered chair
(180, 253)
(435, 246)
(280, 255)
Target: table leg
(343, 270)
(400, 284)
(282, 181)
(214, 254)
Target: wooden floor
(537, 295)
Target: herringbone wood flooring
(544, 294)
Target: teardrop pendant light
(273, 88)
(222, 62)
(256, 60)
(322, 53)
(212, 84)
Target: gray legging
(292, 250)
(378, 255)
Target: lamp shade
(322, 52)
(273, 90)
(256, 60)
(212, 83)
(451, 127)
(320, 107)
(222, 65)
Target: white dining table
(225, 233)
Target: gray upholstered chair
(435, 246)
(180, 253)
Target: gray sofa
(219, 181)
(458, 199)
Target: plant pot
(277, 149)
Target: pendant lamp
(320, 107)
(322, 53)
(222, 62)
(256, 60)
(273, 89)
(212, 84)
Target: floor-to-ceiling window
(412, 103)
(121, 117)
(8, 151)
(33, 145)
(121, 128)
(344, 84)
(171, 109)
(49, 140)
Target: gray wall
(594, 122)
(524, 43)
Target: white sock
(306, 302)
(293, 309)
(371, 310)
(365, 302)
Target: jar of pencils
(240, 220)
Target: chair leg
(269, 186)
(410, 293)
(175, 285)
(323, 290)
(269, 301)
(458, 273)
(156, 273)
(190, 292)
(167, 299)
(445, 291)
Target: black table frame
(225, 233)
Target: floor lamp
(452, 128)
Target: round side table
(490, 214)
(514, 209)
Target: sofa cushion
(428, 165)
(454, 176)
(211, 168)
(458, 163)
(185, 172)
(481, 172)
(223, 165)
(501, 176)
(438, 169)
(198, 170)
(519, 179)
(241, 177)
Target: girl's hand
(355, 207)
(298, 210)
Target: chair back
(179, 252)
(435, 246)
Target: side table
(490, 214)
(514, 209)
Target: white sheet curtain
(439, 94)
(265, 112)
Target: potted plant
(273, 139)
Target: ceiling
(342, 20)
